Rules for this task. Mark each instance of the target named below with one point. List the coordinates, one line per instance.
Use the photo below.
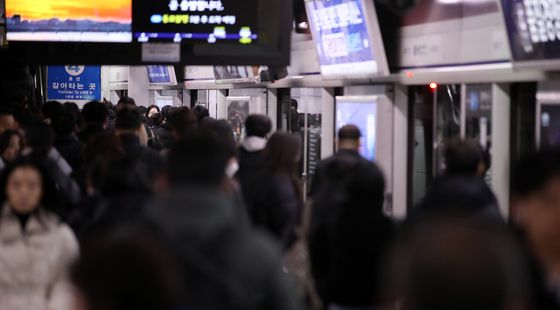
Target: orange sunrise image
(97, 10)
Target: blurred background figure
(536, 221)
(35, 247)
(450, 263)
(130, 129)
(11, 145)
(217, 255)
(66, 141)
(201, 112)
(278, 202)
(251, 156)
(348, 151)
(223, 130)
(349, 233)
(164, 132)
(126, 270)
(96, 119)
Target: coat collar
(11, 230)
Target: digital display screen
(202, 20)
(340, 31)
(158, 75)
(533, 28)
(69, 20)
(363, 114)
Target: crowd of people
(120, 207)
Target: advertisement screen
(202, 20)
(69, 20)
(533, 28)
(159, 75)
(361, 112)
(343, 35)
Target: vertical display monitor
(549, 124)
(69, 21)
(348, 38)
(534, 32)
(361, 112)
(161, 75)
(209, 21)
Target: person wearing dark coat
(96, 119)
(278, 203)
(164, 131)
(251, 156)
(348, 230)
(349, 235)
(348, 144)
(218, 256)
(128, 126)
(66, 141)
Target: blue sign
(70, 83)
(158, 75)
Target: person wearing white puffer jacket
(35, 247)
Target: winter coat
(70, 147)
(226, 266)
(251, 168)
(278, 208)
(34, 262)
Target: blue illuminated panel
(363, 114)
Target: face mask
(232, 168)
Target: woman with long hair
(279, 201)
(36, 248)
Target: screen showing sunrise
(69, 20)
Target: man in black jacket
(96, 118)
(348, 144)
(224, 265)
(129, 127)
(65, 140)
(251, 156)
(348, 230)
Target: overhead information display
(69, 21)
(534, 29)
(207, 20)
(347, 36)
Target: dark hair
(51, 108)
(181, 120)
(75, 110)
(451, 263)
(39, 137)
(127, 270)
(49, 199)
(64, 123)
(127, 101)
(142, 110)
(280, 153)
(258, 125)
(224, 132)
(5, 138)
(95, 112)
(165, 111)
(128, 119)
(533, 171)
(104, 145)
(201, 112)
(153, 106)
(349, 132)
(120, 175)
(462, 157)
(200, 158)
